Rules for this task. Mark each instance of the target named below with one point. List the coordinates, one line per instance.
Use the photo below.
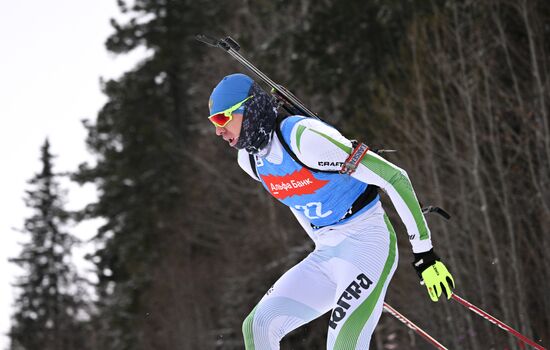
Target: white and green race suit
(354, 257)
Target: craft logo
(296, 184)
(338, 164)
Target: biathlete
(331, 186)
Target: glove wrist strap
(424, 260)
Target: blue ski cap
(230, 90)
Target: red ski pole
(497, 322)
(414, 327)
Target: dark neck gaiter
(258, 120)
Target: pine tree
(141, 137)
(49, 302)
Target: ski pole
(499, 323)
(414, 327)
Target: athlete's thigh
(302, 294)
(362, 267)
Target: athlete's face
(232, 130)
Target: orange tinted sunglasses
(221, 119)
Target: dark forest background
(190, 243)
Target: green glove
(433, 274)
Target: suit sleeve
(322, 147)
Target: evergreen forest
(190, 243)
